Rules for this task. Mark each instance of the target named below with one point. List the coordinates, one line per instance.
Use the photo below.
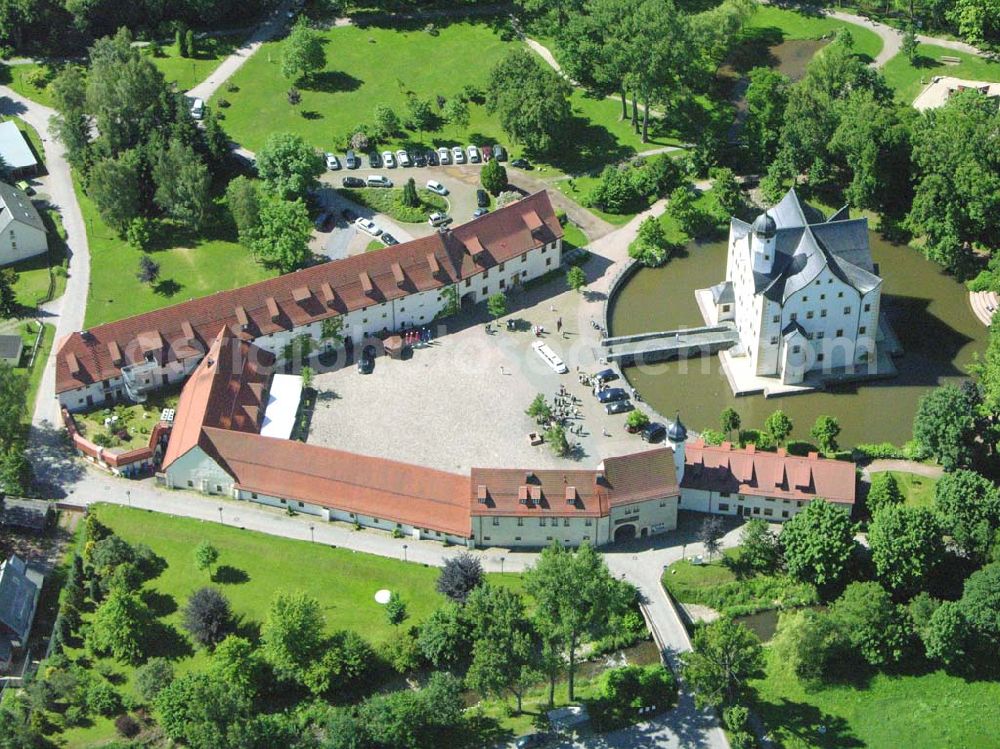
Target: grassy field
(189, 267)
(388, 201)
(918, 490)
(909, 79)
(783, 25)
(188, 71)
(926, 711)
(35, 373)
(573, 236)
(369, 66)
(16, 76)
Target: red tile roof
(527, 492)
(723, 468)
(385, 489)
(504, 234)
(227, 389)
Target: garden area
(908, 79)
(125, 427)
(191, 69)
(30, 80)
(374, 66)
(390, 202)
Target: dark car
(353, 182)
(324, 222)
(653, 432)
(606, 375)
(521, 163)
(480, 212)
(374, 160)
(482, 199)
(499, 153)
(348, 215)
(419, 158)
(366, 364)
(532, 740)
(432, 158)
(352, 161)
(618, 407)
(612, 394)
(388, 239)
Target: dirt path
(902, 466)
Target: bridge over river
(684, 343)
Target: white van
(378, 180)
(198, 108)
(438, 219)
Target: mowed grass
(17, 77)
(189, 267)
(909, 79)
(34, 374)
(918, 491)
(790, 24)
(186, 72)
(686, 580)
(927, 711)
(370, 66)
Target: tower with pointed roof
(803, 292)
(676, 438)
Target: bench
(950, 60)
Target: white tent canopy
(282, 405)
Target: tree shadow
(164, 641)
(809, 724)
(168, 287)
(228, 575)
(310, 114)
(160, 604)
(331, 82)
(923, 61)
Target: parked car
(432, 158)
(436, 187)
(402, 157)
(618, 407)
(374, 160)
(351, 161)
(612, 394)
(389, 239)
(606, 375)
(366, 363)
(378, 180)
(458, 155)
(521, 163)
(487, 153)
(25, 187)
(348, 215)
(473, 154)
(419, 159)
(482, 198)
(438, 219)
(444, 155)
(198, 108)
(352, 182)
(388, 159)
(532, 741)
(499, 153)
(480, 212)
(367, 226)
(324, 222)
(332, 162)
(550, 357)
(653, 432)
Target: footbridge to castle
(683, 343)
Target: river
(928, 309)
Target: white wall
(766, 508)
(19, 241)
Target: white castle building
(803, 294)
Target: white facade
(770, 509)
(22, 233)
(805, 295)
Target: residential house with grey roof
(20, 587)
(15, 151)
(22, 233)
(802, 291)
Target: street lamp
(312, 536)
(501, 565)
(220, 514)
(404, 552)
(128, 496)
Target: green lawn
(577, 189)
(790, 24)
(909, 79)
(186, 72)
(573, 236)
(16, 76)
(190, 267)
(43, 277)
(918, 490)
(379, 66)
(928, 711)
(35, 373)
(389, 202)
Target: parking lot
(344, 239)
(460, 402)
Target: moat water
(928, 309)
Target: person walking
(558, 324)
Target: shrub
(101, 698)
(460, 576)
(623, 691)
(127, 726)
(761, 439)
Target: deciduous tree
(875, 627)
(944, 425)
(281, 239)
(779, 426)
(119, 626)
(906, 545)
(729, 421)
(576, 278)
(759, 547)
(289, 165)
(817, 543)
(825, 432)
(724, 658)
(969, 506)
(292, 634)
(650, 246)
(302, 54)
(182, 182)
(530, 100)
(205, 556)
(493, 177)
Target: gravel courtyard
(452, 407)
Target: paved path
(67, 312)
(903, 466)
(270, 28)
(984, 305)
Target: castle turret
(762, 243)
(676, 437)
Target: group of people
(417, 337)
